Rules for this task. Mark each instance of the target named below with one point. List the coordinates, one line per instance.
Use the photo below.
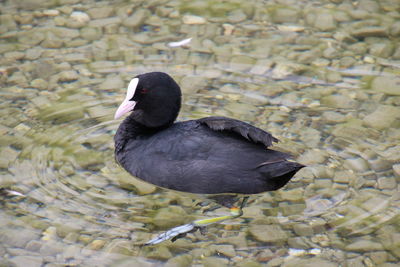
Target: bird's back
(191, 157)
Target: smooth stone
(169, 217)
(333, 117)
(63, 32)
(77, 19)
(62, 112)
(383, 117)
(192, 84)
(330, 53)
(137, 18)
(344, 176)
(356, 164)
(40, 84)
(298, 243)
(192, 19)
(268, 233)
(214, 262)
(242, 63)
(120, 246)
(311, 262)
(140, 187)
(374, 203)
(371, 31)
(396, 169)
(387, 183)
(236, 16)
(31, 261)
(17, 237)
(226, 250)
(387, 84)
(104, 22)
(160, 253)
(90, 33)
(34, 245)
(338, 101)
(112, 83)
(378, 257)
(364, 246)
(180, 261)
(100, 12)
(52, 41)
(302, 229)
(284, 15)
(325, 22)
(381, 49)
(68, 76)
(51, 248)
(395, 28)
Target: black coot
(211, 155)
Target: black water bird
(212, 155)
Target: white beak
(125, 107)
(128, 104)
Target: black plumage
(211, 155)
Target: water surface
(322, 76)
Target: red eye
(144, 91)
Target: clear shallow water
(321, 76)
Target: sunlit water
(320, 76)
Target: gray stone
(236, 16)
(120, 246)
(104, 22)
(112, 83)
(383, 117)
(184, 260)
(241, 63)
(191, 19)
(364, 246)
(17, 237)
(395, 29)
(344, 176)
(68, 76)
(303, 229)
(268, 233)
(226, 250)
(378, 257)
(192, 84)
(52, 41)
(330, 53)
(338, 101)
(311, 262)
(396, 169)
(40, 84)
(31, 261)
(100, 12)
(170, 217)
(298, 243)
(381, 49)
(7, 21)
(160, 253)
(215, 262)
(284, 15)
(325, 22)
(90, 33)
(371, 31)
(387, 84)
(137, 18)
(51, 248)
